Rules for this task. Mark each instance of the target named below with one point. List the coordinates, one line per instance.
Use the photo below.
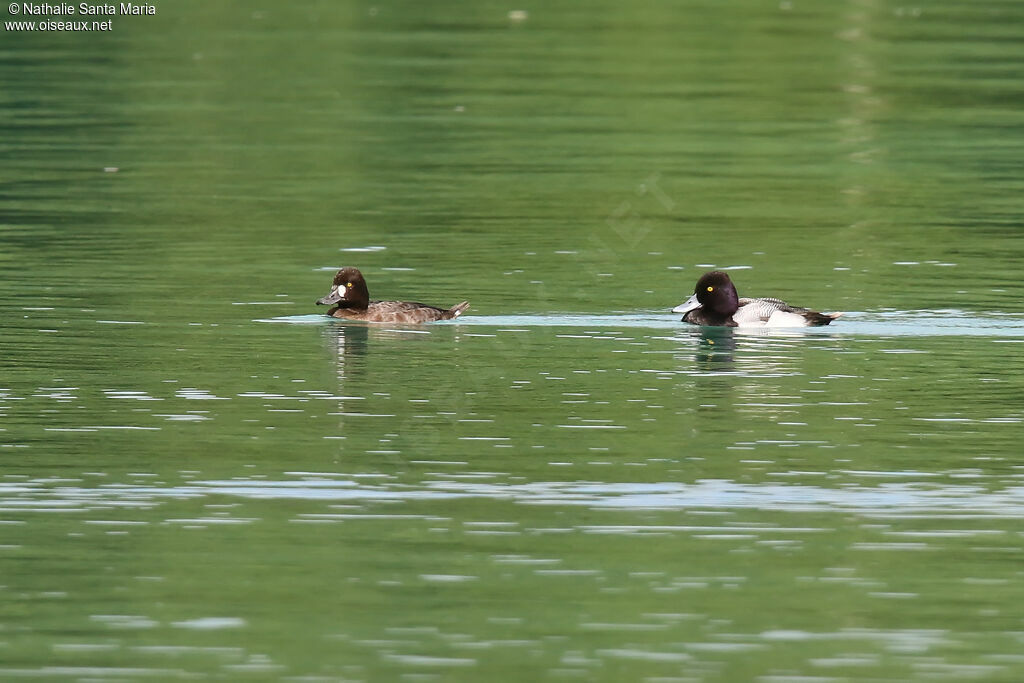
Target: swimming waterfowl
(715, 303)
(351, 300)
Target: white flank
(784, 319)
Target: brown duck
(350, 299)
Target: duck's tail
(814, 318)
(456, 310)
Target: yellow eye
(711, 289)
(349, 285)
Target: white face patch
(340, 291)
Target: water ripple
(890, 500)
(923, 323)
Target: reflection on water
(645, 520)
(716, 349)
(696, 551)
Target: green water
(201, 479)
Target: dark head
(715, 296)
(348, 290)
(715, 292)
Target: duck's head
(715, 292)
(348, 290)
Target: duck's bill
(332, 298)
(687, 305)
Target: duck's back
(408, 312)
(770, 312)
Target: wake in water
(874, 324)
